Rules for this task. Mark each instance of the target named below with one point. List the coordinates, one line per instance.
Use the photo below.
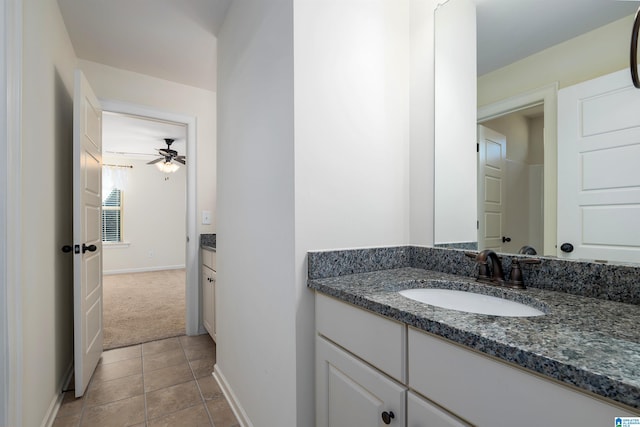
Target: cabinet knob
(566, 247)
(387, 417)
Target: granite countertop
(590, 343)
(208, 242)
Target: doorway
(143, 226)
(547, 96)
(514, 180)
(186, 229)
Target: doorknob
(506, 239)
(566, 247)
(90, 248)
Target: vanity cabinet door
(351, 393)
(422, 413)
(208, 300)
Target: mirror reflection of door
(522, 220)
(492, 148)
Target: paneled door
(492, 152)
(87, 234)
(599, 169)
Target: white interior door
(87, 235)
(492, 152)
(599, 172)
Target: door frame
(548, 95)
(192, 300)
(11, 213)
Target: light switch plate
(206, 217)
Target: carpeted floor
(142, 307)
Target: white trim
(142, 269)
(238, 411)
(549, 96)
(10, 213)
(56, 402)
(192, 314)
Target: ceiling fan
(167, 157)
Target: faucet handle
(473, 255)
(516, 280)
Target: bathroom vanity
(382, 358)
(208, 284)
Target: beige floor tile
(209, 388)
(160, 346)
(203, 367)
(119, 354)
(195, 416)
(221, 413)
(71, 421)
(199, 353)
(125, 412)
(110, 391)
(163, 360)
(115, 370)
(165, 377)
(171, 399)
(70, 405)
(196, 340)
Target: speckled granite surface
(208, 241)
(589, 337)
(590, 343)
(611, 282)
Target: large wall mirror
(499, 66)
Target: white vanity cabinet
(208, 268)
(368, 365)
(360, 367)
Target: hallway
(160, 383)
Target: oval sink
(471, 302)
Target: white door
(492, 152)
(87, 234)
(350, 393)
(599, 169)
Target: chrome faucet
(490, 269)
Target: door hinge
(478, 225)
(477, 147)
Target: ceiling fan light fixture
(167, 167)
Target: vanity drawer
(376, 340)
(486, 391)
(209, 258)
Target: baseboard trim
(56, 402)
(142, 269)
(237, 409)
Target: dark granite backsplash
(208, 240)
(604, 281)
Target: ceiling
(509, 30)
(135, 137)
(174, 40)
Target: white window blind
(112, 217)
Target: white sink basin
(471, 302)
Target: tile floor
(160, 383)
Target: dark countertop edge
(620, 392)
(208, 248)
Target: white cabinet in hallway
(208, 268)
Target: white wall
(351, 142)
(256, 282)
(120, 85)
(455, 117)
(341, 180)
(154, 220)
(596, 53)
(47, 273)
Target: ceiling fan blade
(179, 160)
(152, 162)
